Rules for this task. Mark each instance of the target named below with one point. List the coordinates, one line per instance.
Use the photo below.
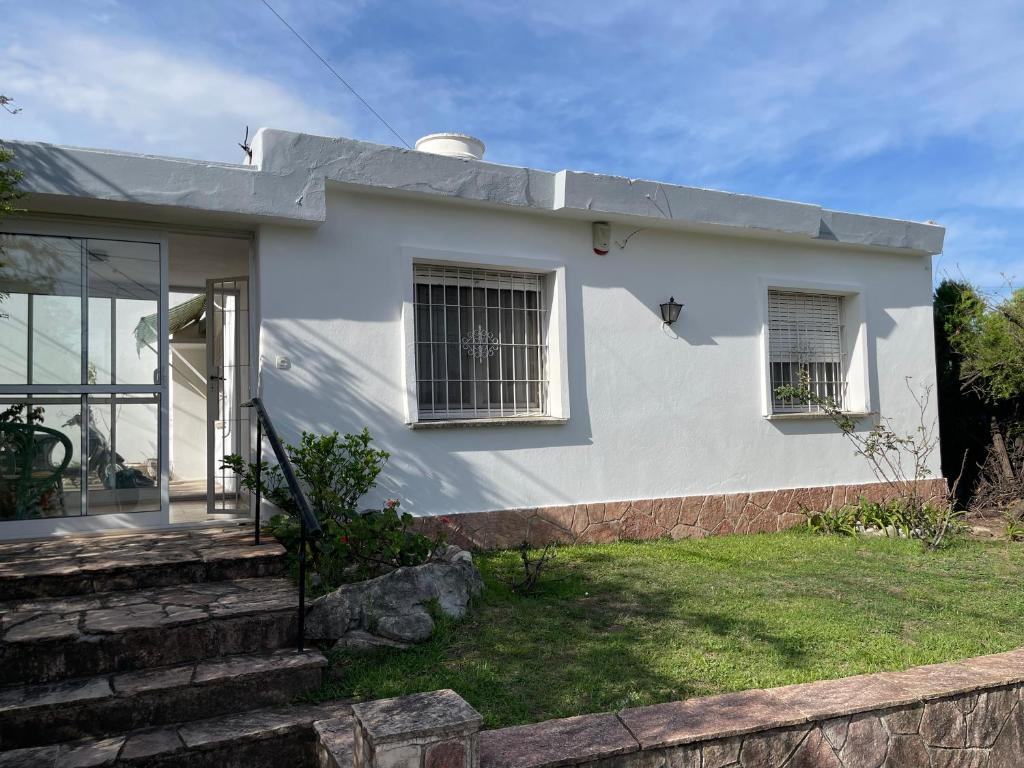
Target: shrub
(933, 524)
(335, 472)
(840, 521)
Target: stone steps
(109, 704)
(154, 649)
(269, 738)
(88, 565)
(57, 638)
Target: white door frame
(217, 385)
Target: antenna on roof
(245, 144)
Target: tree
(10, 177)
(993, 355)
(980, 355)
(963, 414)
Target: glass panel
(124, 291)
(40, 457)
(13, 336)
(40, 310)
(123, 453)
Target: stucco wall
(654, 412)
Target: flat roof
(287, 180)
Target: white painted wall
(654, 412)
(188, 412)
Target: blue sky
(904, 109)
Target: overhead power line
(334, 72)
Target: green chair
(28, 471)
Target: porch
(126, 360)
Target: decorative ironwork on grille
(481, 343)
(805, 347)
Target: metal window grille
(481, 343)
(805, 348)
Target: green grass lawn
(629, 624)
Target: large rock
(395, 607)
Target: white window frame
(858, 399)
(557, 361)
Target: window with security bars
(481, 343)
(805, 348)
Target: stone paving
(86, 564)
(153, 649)
(276, 737)
(52, 638)
(109, 704)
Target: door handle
(217, 378)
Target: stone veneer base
(678, 517)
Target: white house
(498, 329)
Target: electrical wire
(334, 72)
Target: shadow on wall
(314, 396)
(818, 426)
(327, 388)
(55, 170)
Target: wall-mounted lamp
(670, 311)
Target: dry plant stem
(532, 568)
(900, 461)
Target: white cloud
(752, 84)
(133, 94)
(980, 251)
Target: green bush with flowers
(335, 472)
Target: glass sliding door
(81, 383)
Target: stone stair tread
(119, 541)
(126, 684)
(84, 565)
(185, 741)
(53, 618)
(49, 639)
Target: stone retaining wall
(965, 713)
(678, 517)
(960, 714)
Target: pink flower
(391, 503)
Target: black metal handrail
(309, 526)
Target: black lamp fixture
(670, 311)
